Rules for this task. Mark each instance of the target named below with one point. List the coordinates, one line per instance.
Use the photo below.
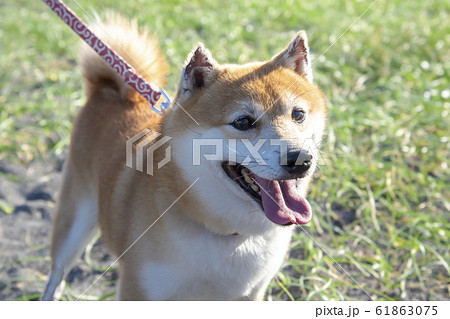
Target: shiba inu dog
(218, 229)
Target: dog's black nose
(297, 162)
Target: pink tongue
(282, 202)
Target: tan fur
(129, 201)
(137, 47)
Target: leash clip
(164, 105)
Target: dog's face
(259, 129)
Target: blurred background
(380, 200)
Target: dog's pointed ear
(199, 70)
(296, 56)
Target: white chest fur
(207, 266)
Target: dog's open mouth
(280, 199)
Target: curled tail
(135, 46)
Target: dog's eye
(242, 123)
(298, 116)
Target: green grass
(381, 203)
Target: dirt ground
(25, 231)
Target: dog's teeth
(255, 187)
(248, 179)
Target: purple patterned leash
(115, 61)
